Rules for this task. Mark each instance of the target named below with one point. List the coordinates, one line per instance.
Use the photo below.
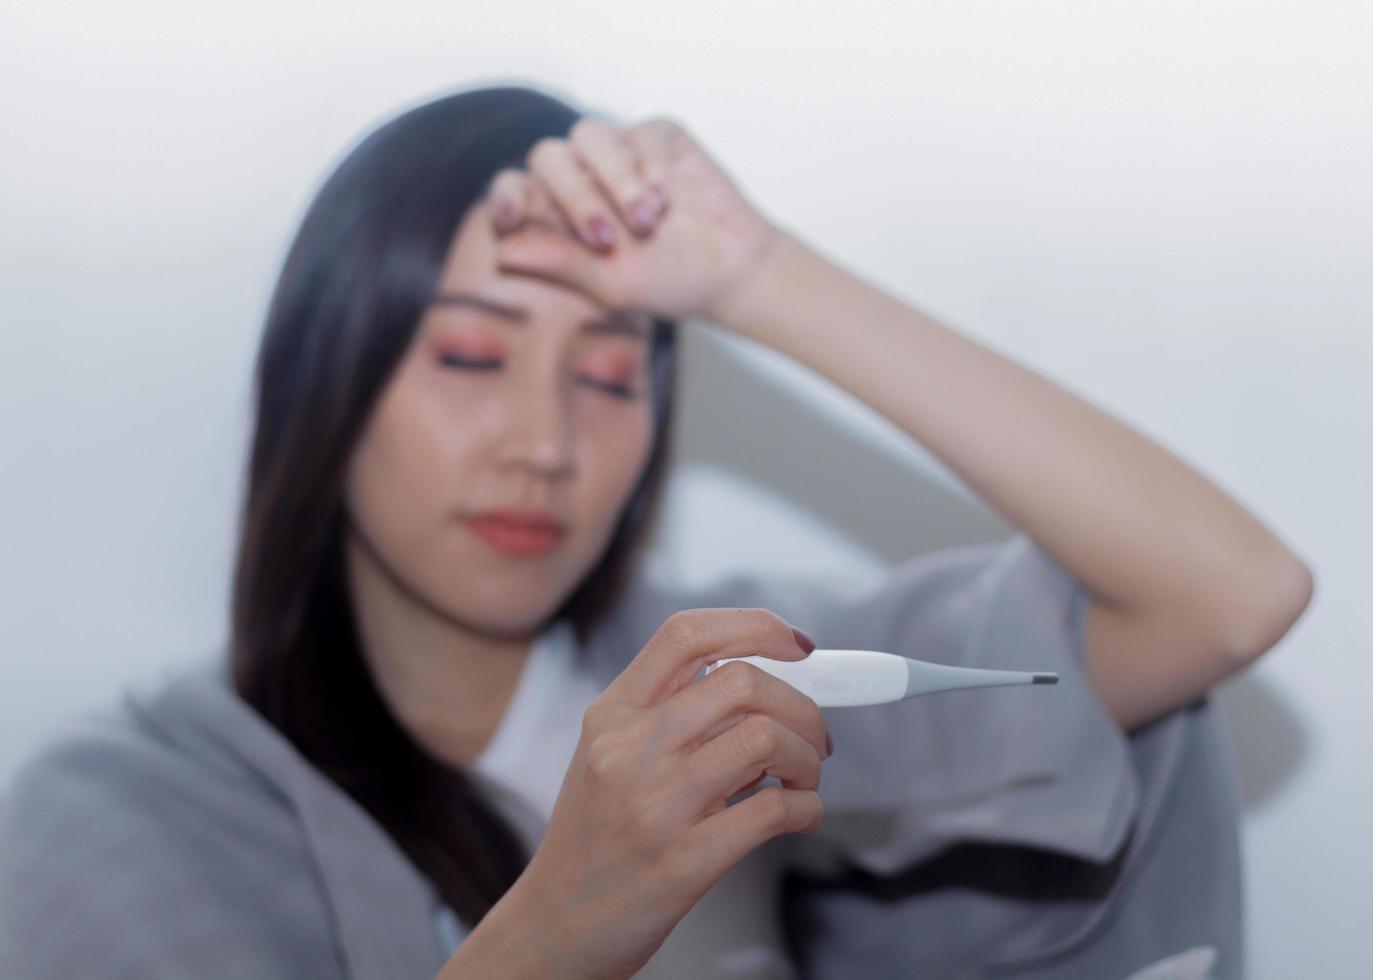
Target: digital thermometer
(847, 678)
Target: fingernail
(505, 213)
(644, 212)
(802, 640)
(601, 230)
(829, 745)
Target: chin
(504, 605)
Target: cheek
(403, 471)
(614, 449)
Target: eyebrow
(618, 322)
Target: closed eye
(453, 360)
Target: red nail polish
(643, 211)
(802, 640)
(829, 745)
(601, 231)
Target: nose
(538, 433)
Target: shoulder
(151, 854)
(132, 769)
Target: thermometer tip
(1046, 678)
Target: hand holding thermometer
(845, 678)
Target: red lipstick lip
(534, 520)
(522, 537)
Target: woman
(462, 731)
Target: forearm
(508, 942)
(1141, 529)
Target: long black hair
(359, 273)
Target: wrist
(512, 940)
(745, 301)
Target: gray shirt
(998, 832)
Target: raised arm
(1187, 586)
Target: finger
(757, 745)
(718, 843)
(655, 141)
(506, 195)
(575, 193)
(704, 708)
(556, 255)
(691, 638)
(517, 197)
(613, 164)
(744, 789)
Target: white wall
(1164, 206)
